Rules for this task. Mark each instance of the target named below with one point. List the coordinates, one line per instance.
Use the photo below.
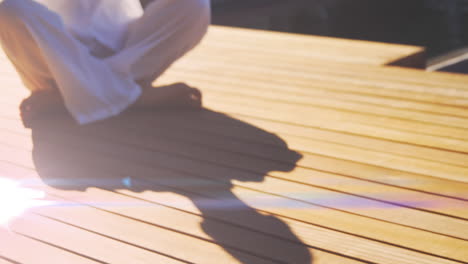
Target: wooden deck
(310, 151)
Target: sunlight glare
(15, 200)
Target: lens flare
(15, 200)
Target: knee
(203, 7)
(199, 14)
(200, 4)
(198, 9)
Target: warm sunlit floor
(309, 151)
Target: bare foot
(174, 96)
(39, 104)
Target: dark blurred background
(437, 24)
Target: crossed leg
(146, 54)
(175, 96)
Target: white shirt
(104, 21)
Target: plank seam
(355, 113)
(376, 240)
(61, 248)
(335, 91)
(298, 220)
(172, 230)
(279, 195)
(245, 170)
(110, 237)
(9, 260)
(348, 133)
(304, 83)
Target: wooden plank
(347, 242)
(378, 156)
(385, 160)
(337, 122)
(368, 81)
(313, 47)
(298, 137)
(424, 102)
(199, 154)
(426, 154)
(80, 219)
(6, 261)
(342, 122)
(349, 106)
(140, 208)
(340, 55)
(292, 133)
(153, 238)
(320, 89)
(427, 137)
(96, 246)
(96, 197)
(321, 179)
(13, 247)
(256, 246)
(289, 113)
(76, 215)
(218, 170)
(340, 183)
(457, 209)
(252, 148)
(127, 230)
(312, 219)
(244, 88)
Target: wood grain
(310, 151)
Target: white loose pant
(47, 55)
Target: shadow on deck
(187, 153)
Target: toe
(195, 93)
(195, 98)
(25, 105)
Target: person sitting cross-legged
(97, 58)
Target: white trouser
(47, 55)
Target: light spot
(127, 182)
(16, 200)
